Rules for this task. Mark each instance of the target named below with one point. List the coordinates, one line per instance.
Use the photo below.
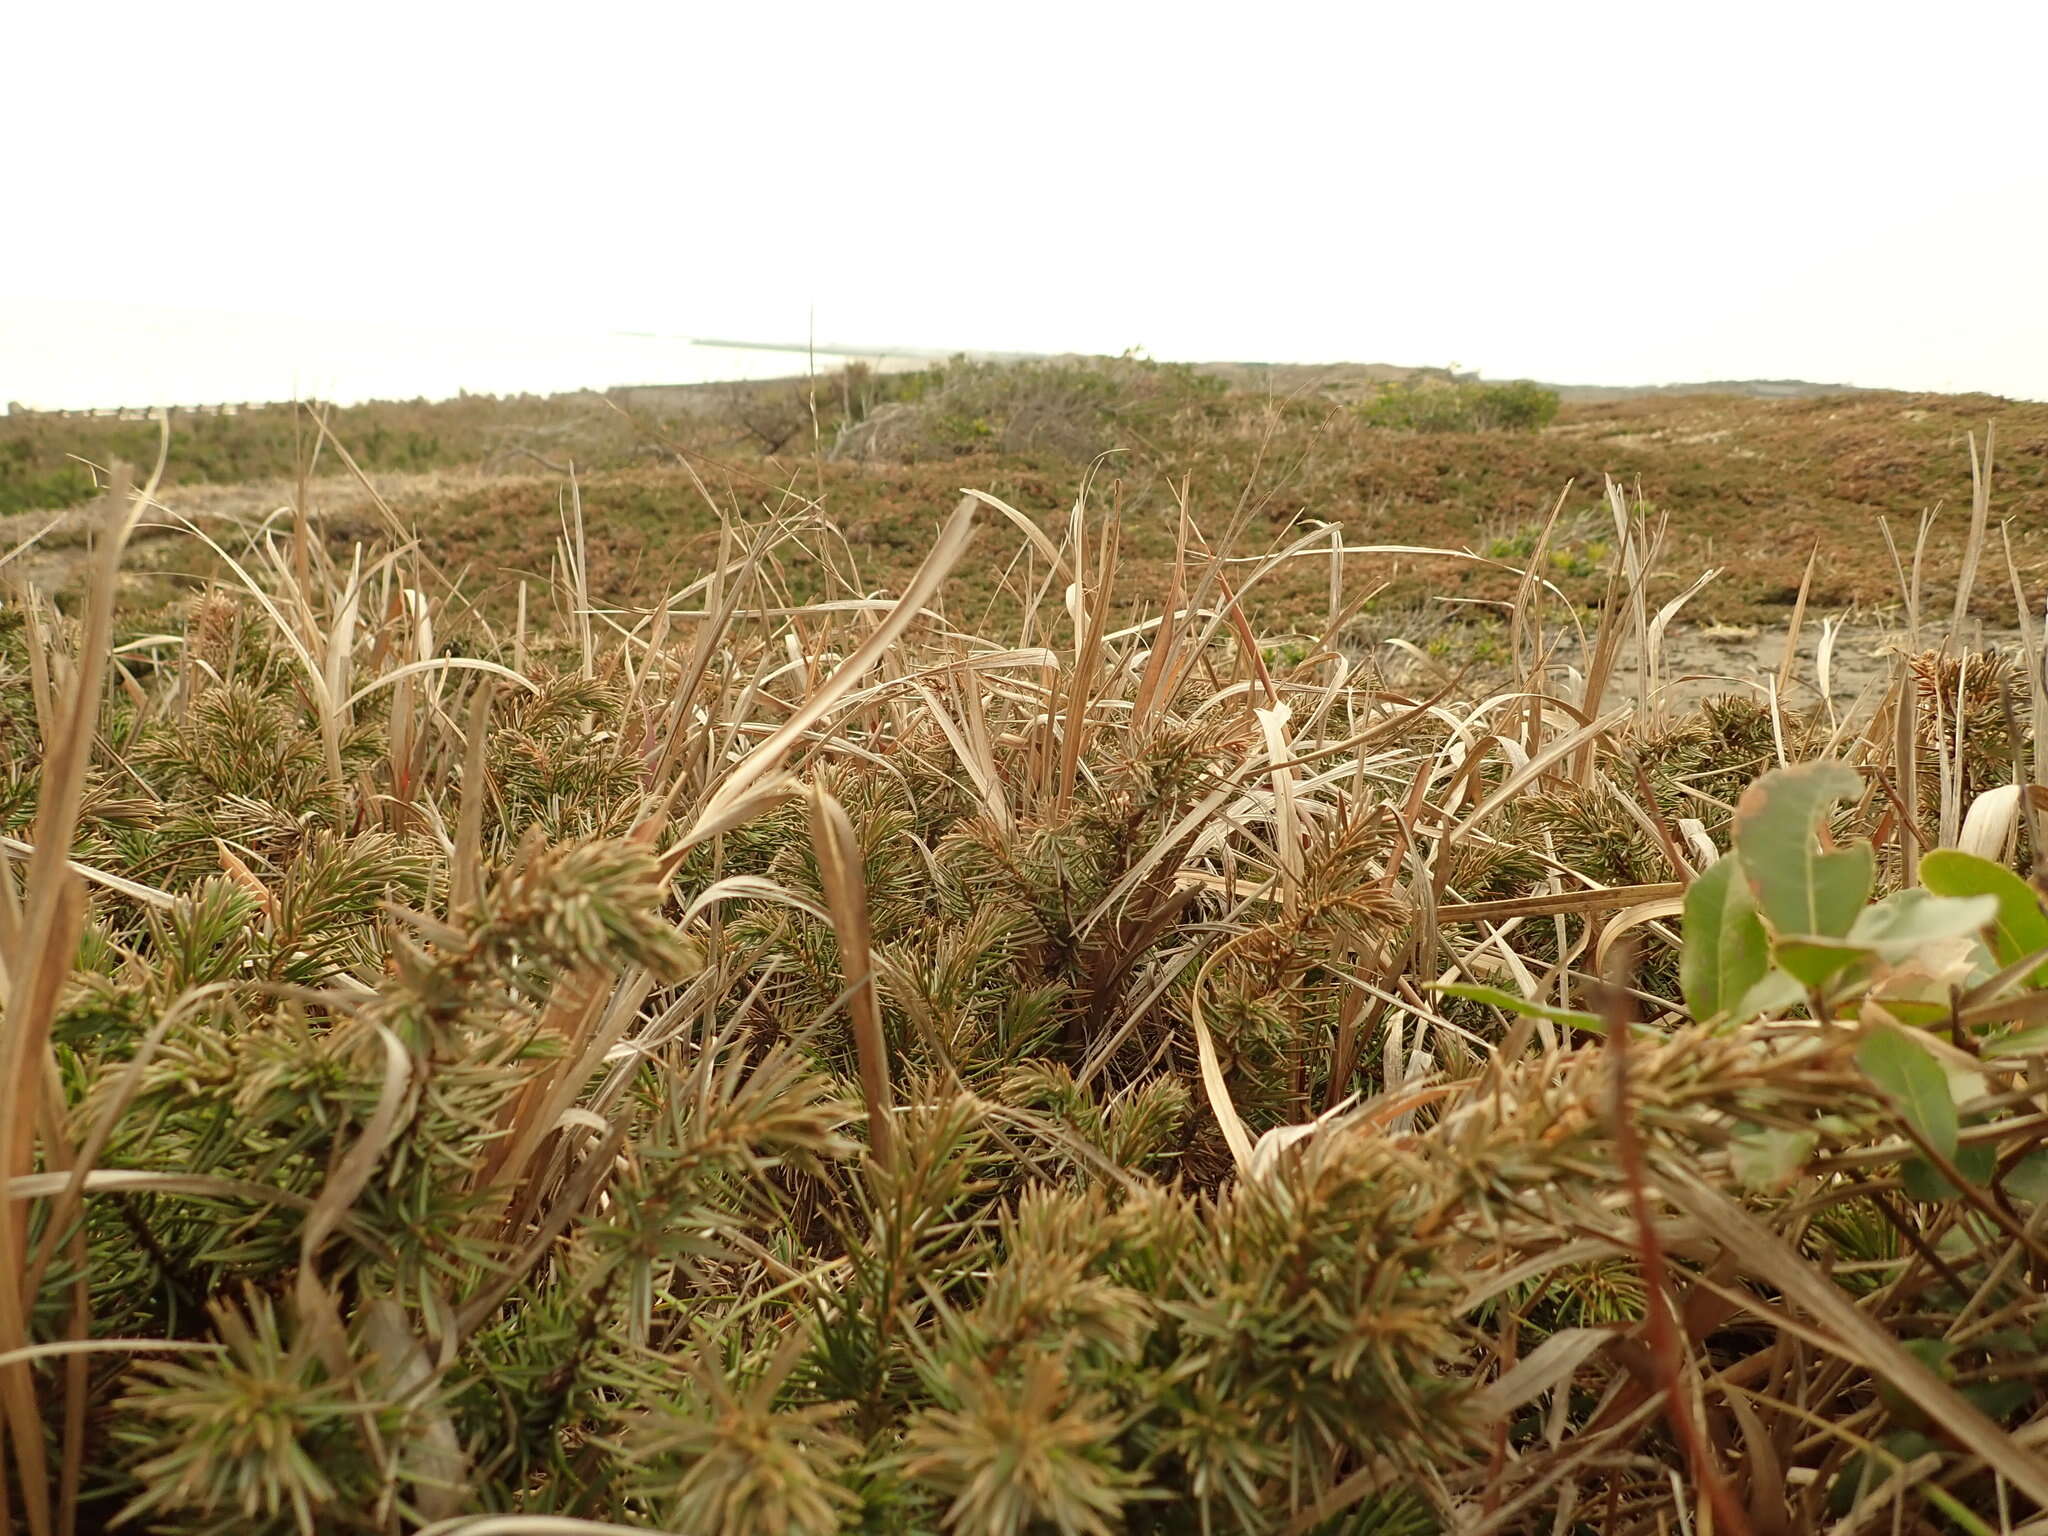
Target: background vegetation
(1761, 483)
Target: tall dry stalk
(45, 939)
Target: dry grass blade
(1287, 828)
(1605, 898)
(435, 665)
(1761, 1252)
(1623, 924)
(134, 890)
(1980, 520)
(398, 1368)
(1581, 739)
(466, 867)
(1549, 1367)
(846, 898)
(47, 936)
(1214, 1085)
(37, 1186)
(317, 1308)
(1790, 662)
(946, 552)
(61, 1347)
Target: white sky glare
(1572, 191)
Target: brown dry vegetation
(1753, 487)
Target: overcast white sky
(1576, 191)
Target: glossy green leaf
(2021, 928)
(1905, 1069)
(2028, 1180)
(1726, 950)
(1773, 992)
(1799, 888)
(1508, 1002)
(1936, 1355)
(1999, 1400)
(1906, 920)
(1975, 1162)
(1917, 1014)
(1817, 961)
(2024, 1042)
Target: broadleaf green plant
(1806, 894)
(1900, 1064)
(1727, 952)
(2021, 928)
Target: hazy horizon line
(208, 357)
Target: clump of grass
(745, 1064)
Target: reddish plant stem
(1666, 1354)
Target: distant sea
(76, 356)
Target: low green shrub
(1465, 406)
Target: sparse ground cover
(848, 1006)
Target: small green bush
(27, 483)
(1466, 406)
